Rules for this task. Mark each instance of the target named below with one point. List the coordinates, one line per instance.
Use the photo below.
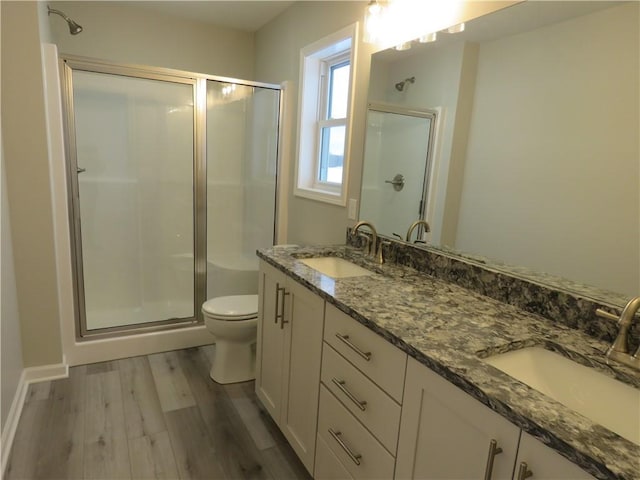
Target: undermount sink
(608, 402)
(336, 267)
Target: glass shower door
(242, 154)
(134, 205)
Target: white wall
(122, 33)
(564, 201)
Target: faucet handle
(609, 316)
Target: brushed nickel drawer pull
(361, 404)
(346, 341)
(278, 288)
(337, 437)
(280, 305)
(282, 320)
(494, 450)
(524, 472)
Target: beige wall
(11, 364)
(560, 191)
(11, 349)
(121, 33)
(27, 175)
(278, 47)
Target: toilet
(233, 320)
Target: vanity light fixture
(428, 38)
(373, 22)
(403, 46)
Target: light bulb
(456, 28)
(429, 37)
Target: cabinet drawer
(360, 453)
(382, 362)
(380, 415)
(328, 467)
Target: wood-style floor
(155, 416)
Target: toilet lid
(233, 307)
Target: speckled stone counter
(450, 329)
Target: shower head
(400, 85)
(74, 28)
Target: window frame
(316, 61)
(324, 120)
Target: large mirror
(536, 158)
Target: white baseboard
(29, 375)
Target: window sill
(326, 196)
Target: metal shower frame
(69, 64)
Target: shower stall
(170, 175)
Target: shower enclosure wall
(172, 180)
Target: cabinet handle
(362, 405)
(346, 341)
(282, 320)
(276, 314)
(524, 472)
(494, 450)
(353, 456)
(280, 306)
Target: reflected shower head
(74, 28)
(400, 85)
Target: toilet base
(233, 362)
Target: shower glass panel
(242, 133)
(134, 142)
(396, 143)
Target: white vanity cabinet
(446, 434)
(360, 400)
(288, 355)
(354, 406)
(544, 463)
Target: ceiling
(243, 15)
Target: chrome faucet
(413, 227)
(374, 249)
(619, 349)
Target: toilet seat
(232, 308)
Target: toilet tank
(232, 274)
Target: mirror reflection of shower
(74, 28)
(397, 140)
(400, 85)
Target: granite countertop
(449, 329)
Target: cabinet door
(544, 463)
(446, 434)
(269, 348)
(303, 352)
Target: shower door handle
(80, 170)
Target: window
(325, 102)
